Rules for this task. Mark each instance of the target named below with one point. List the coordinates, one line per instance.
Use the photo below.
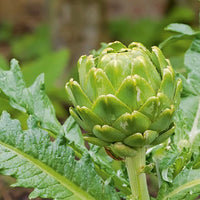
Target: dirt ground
(9, 193)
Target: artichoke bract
(126, 97)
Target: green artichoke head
(126, 97)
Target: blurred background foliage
(48, 36)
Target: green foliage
(34, 101)
(185, 186)
(52, 158)
(178, 162)
(184, 31)
(52, 65)
(49, 167)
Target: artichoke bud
(126, 97)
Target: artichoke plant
(126, 97)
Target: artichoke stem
(137, 178)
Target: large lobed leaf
(49, 167)
(32, 100)
(52, 65)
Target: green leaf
(49, 167)
(52, 65)
(185, 185)
(190, 107)
(73, 133)
(192, 62)
(187, 88)
(180, 28)
(32, 100)
(185, 32)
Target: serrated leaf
(185, 185)
(73, 133)
(32, 100)
(49, 167)
(192, 62)
(190, 107)
(190, 104)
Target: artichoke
(126, 97)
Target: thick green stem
(136, 177)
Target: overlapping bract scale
(126, 98)
(97, 84)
